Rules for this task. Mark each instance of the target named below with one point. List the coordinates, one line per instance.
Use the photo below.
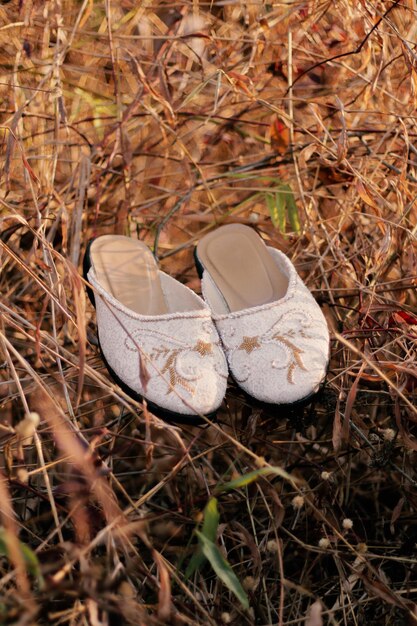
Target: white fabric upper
(180, 350)
(277, 352)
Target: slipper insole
(126, 268)
(241, 267)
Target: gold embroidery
(171, 356)
(203, 347)
(249, 343)
(288, 340)
(296, 358)
(174, 377)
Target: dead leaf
(241, 81)
(280, 136)
(164, 595)
(342, 142)
(337, 427)
(367, 196)
(350, 400)
(396, 513)
(79, 301)
(381, 590)
(382, 253)
(148, 438)
(29, 169)
(306, 154)
(401, 317)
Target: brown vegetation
(162, 120)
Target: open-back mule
(273, 332)
(156, 336)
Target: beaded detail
(282, 334)
(176, 360)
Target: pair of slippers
(161, 342)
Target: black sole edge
(199, 266)
(165, 414)
(298, 405)
(86, 269)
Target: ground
(162, 121)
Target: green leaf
(30, 558)
(292, 210)
(282, 204)
(211, 520)
(208, 530)
(276, 207)
(250, 477)
(195, 563)
(223, 569)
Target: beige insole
(126, 268)
(241, 267)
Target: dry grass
(162, 121)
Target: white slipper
(156, 336)
(274, 334)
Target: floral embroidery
(173, 357)
(286, 332)
(296, 357)
(249, 343)
(174, 377)
(203, 347)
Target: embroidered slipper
(273, 332)
(156, 336)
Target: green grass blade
(195, 563)
(30, 558)
(292, 209)
(273, 202)
(250, 477)
(208, 530)
(211, 520)
(280, 203)
(223, 569)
